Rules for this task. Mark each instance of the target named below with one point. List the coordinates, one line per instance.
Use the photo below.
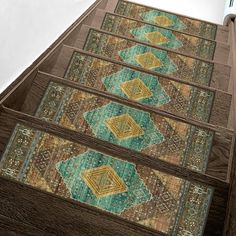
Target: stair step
(162, 37)
(187, 100)
(169, 63)
(170, 20)
(134, 133)
(71, 105)
(66, 149)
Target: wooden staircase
(56, 110)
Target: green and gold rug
(165, 38)
(177, 98)
(158, 136)
(158, 60)
(134, 192)
(167, 20)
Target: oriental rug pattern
(165, 38)
(152, 134)
(168, 20)
(157, 60)
(140, 194)
(169, 95)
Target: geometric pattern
(161, 61)
(166, 38)
(155, 135)
(137, 193)
(156, 36)
(123, 125)
(103, 181)
(136, 86)
(135, 89)
(148, 58)
(165, 19)
(175, 97)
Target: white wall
(28, 27)
(209, 10)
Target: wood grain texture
(222, 34)
(230, 226)
(10, 227)
(58, 216)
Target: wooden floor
(27, 210)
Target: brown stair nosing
(222, 33)
(14, 227)
(221, 53)
(220, 75)
(220, 105)
(222, 140)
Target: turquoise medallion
(156, 36)
(123, 125)
(148, 58)
(137, 86)
(163, 19)
(103, 181)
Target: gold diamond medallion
(135, 89)
(103, 181)
(163, 21)
(148, 60)
(156, 38)
(124, 126)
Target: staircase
(124, 126)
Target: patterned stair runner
(149, 197)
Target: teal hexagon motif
(157, 36)
(134, 85)
(124, 126)
(148, 58)
(163, 19)
(103, 181)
